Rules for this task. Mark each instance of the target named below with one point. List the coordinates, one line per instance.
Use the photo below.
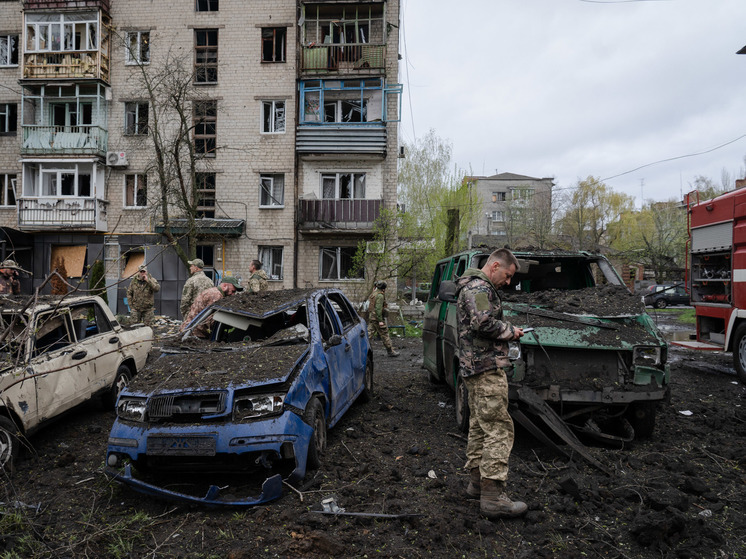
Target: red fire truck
(717, 273)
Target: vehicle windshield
(289, 326)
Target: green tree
(588, 211)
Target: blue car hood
(253, 366)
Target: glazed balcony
(64, 140)
(37, 214)
(29, 5)
(333, 214)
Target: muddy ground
(680, 494)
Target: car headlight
(131, 409)
(646, 356)
(256, 405)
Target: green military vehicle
(595, 362)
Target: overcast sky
(571, 88)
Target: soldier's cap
(233, 281)
(10, 264)
(382, 285)
(142, 269)
(196, 262)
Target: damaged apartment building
(292, 112)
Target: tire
(10, 445)
(367, 394)
(462, 405)
(661, 304)
(124, 375)
(641, 416)
(739, 352)
(314, 416)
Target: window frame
(136, 127)
(272, 195)
(270, 126)
(56, 32)
(278, 34)
(268, 256)
(206, 56)
(353, 185)
(339, 255)
(12, 51)
(8, 189)
(206, 189)
(207, 5)
(8, 119)
(137, 194)
(134, 57)
(204, 118)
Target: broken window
(135, 191)
(61, 32)
(205, 127)
(206, 197)
(342, 101)
(273, 117)
(337, 263)
(206, 55)
(273, 44)
(343, 186)
(272, 190)
(136, 118)
(271, 259)
(53, 333)
(137, 50)
(7, 190)
(8, 119)
(8, 50)
(207, 5)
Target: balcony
(353, 139)
(333, 215)
(66, 65)
(62, 213)
(66, 4)
(344, 58)
(64, 140)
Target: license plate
(181, 446)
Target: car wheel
(739, 352)
(367, 393)
(120, 381)
(642, 418)
(660, 304)
(10, 445)
(314, 416)
(462, 405)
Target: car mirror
(447, 291)
(334, 339)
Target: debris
(686, 412)
(432, 475)
(329, 506)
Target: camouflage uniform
(377, 311)
(195, 285)
(203, 300)
(140, 297)
(9, 284)
(483, 358)
(258, 281)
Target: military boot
(473, 489)
(494, 503)
(393, 352)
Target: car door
(354, 334)
(59, 366)
(94, 337)
(337, 358)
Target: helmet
(381, 285)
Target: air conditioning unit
(116, 159)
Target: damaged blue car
(251, 401)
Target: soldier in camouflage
(140, 295)
(228, 286)
(195, 285)
(377, 311)
(9, 284)
(258, 279)
(483, 360)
